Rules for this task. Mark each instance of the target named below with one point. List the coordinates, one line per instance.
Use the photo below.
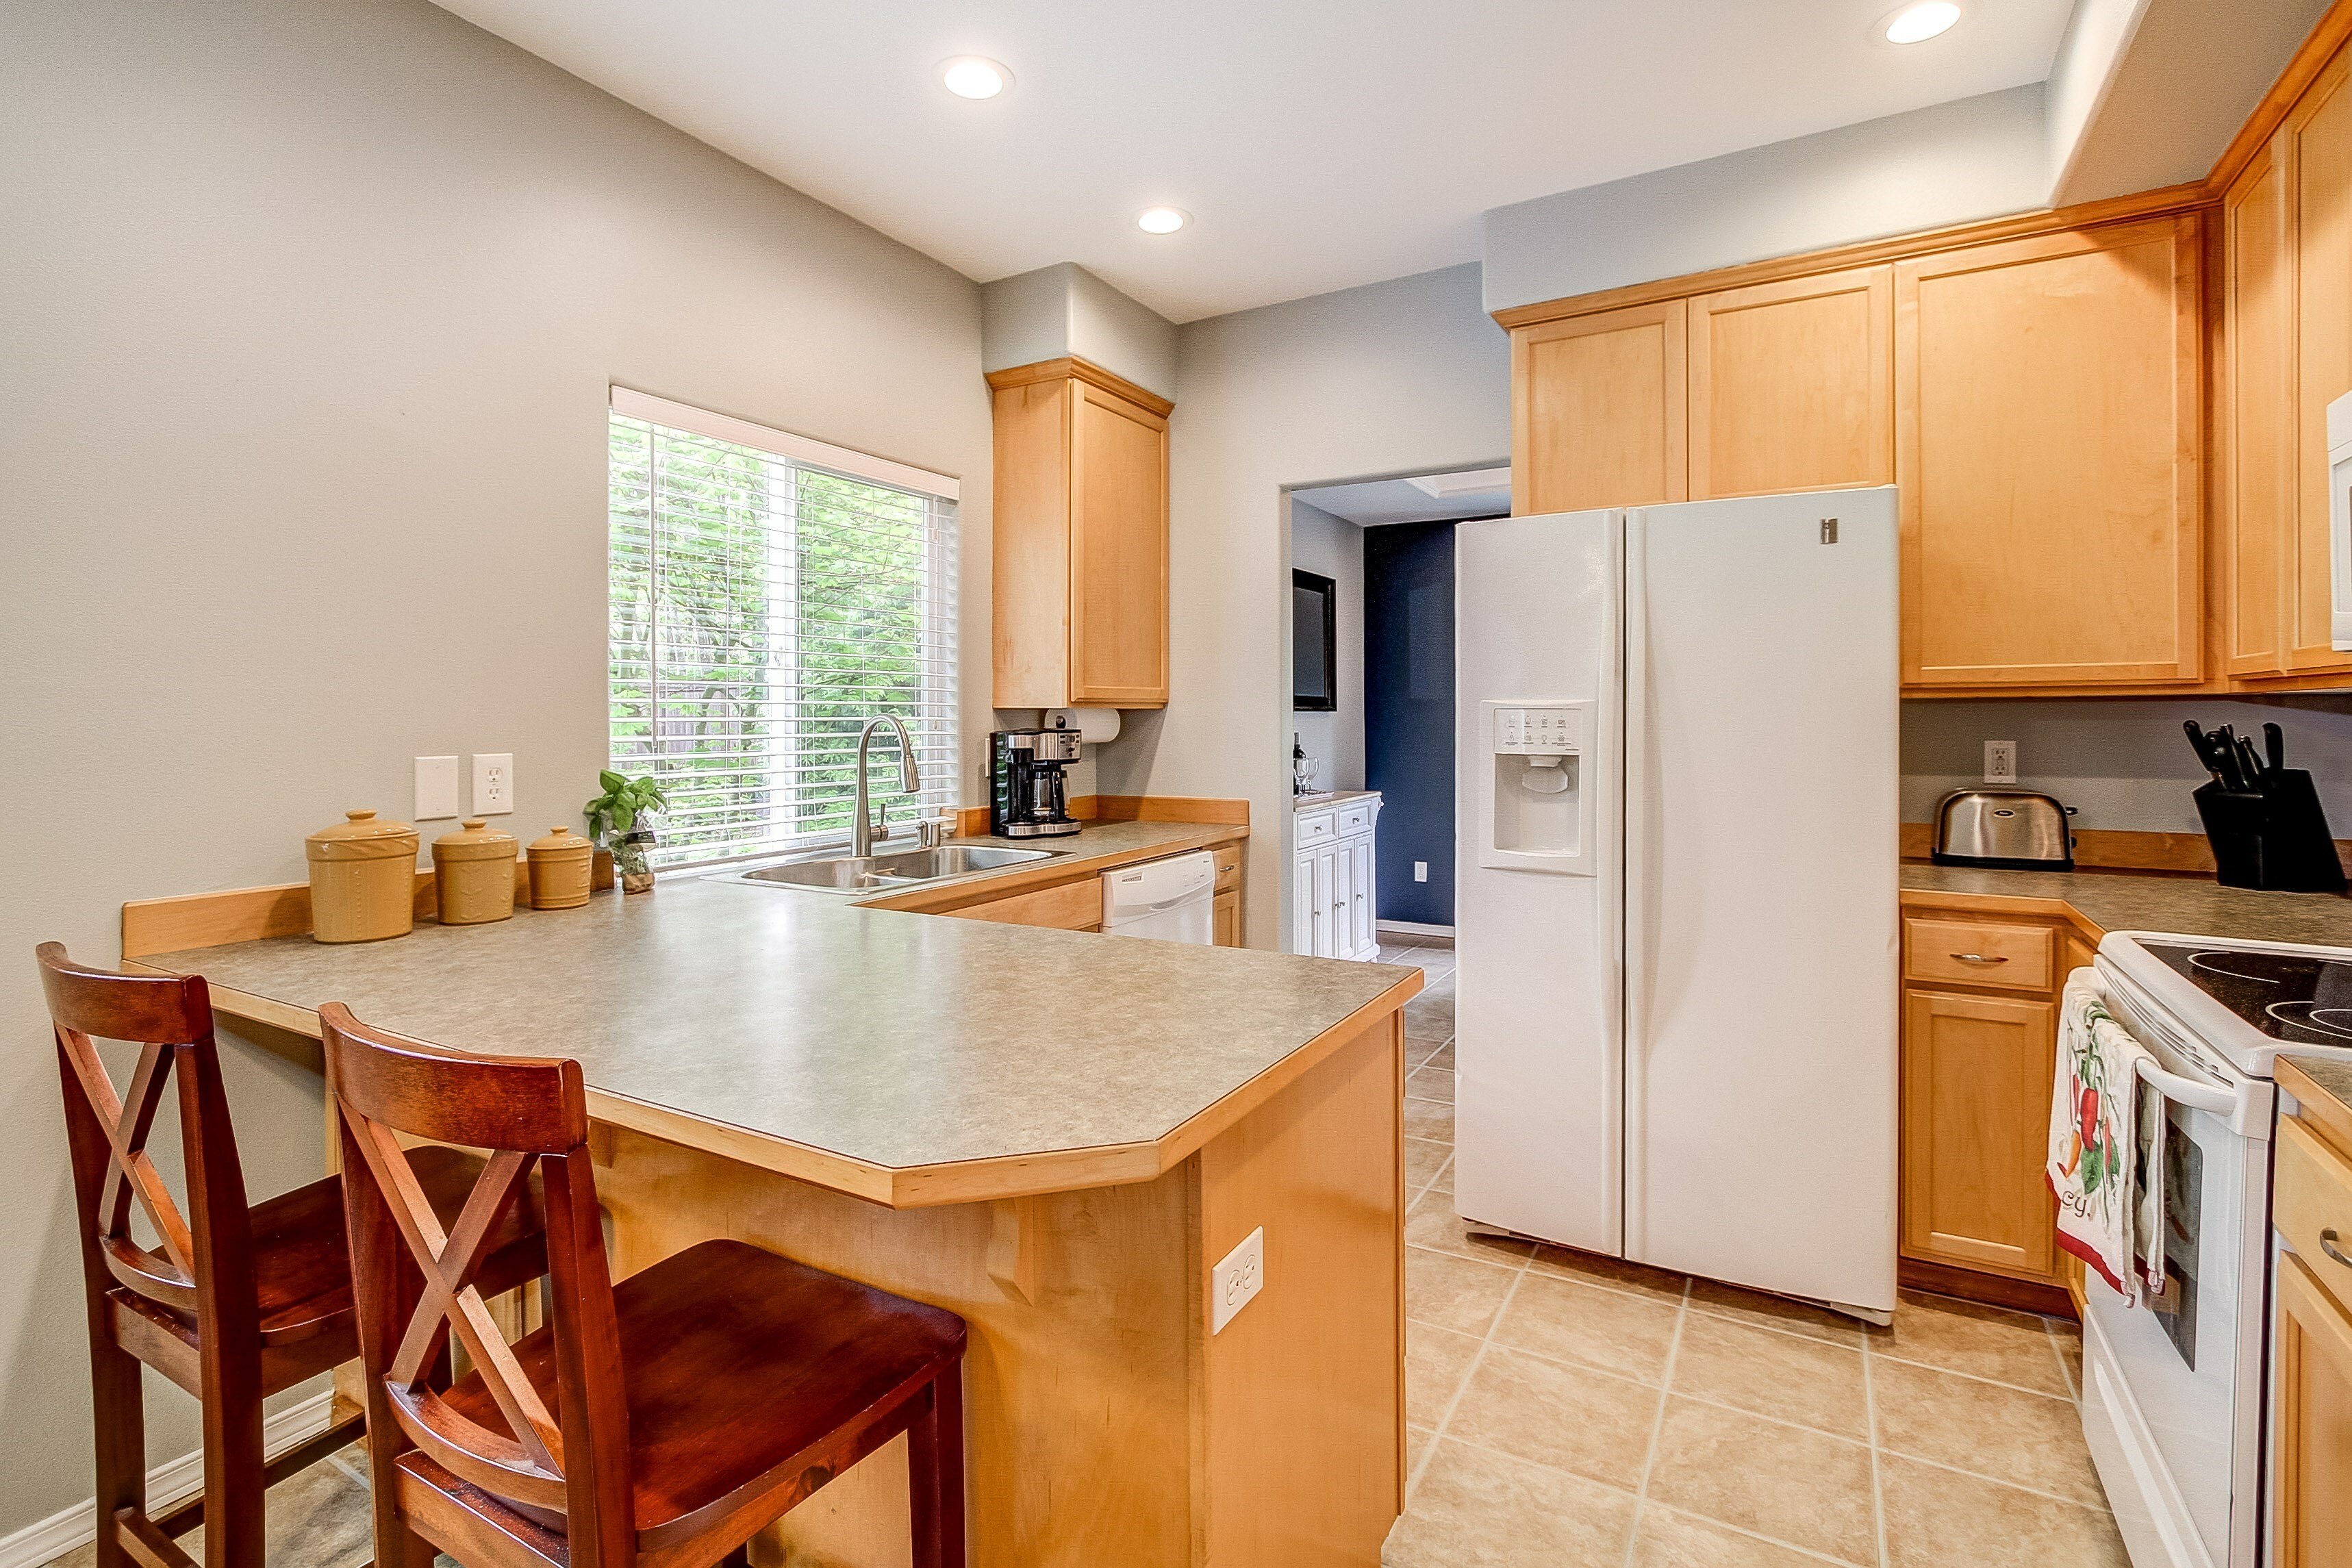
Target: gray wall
(1977, 158)
(307, 313)
(2123, 764)
(1334, 547)
(1404, 377)
(1065, 310)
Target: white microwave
(2339, 522)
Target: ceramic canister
(474, 874)
(362, 878)
(561, 866)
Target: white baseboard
(1415, 928)
(166, 1484)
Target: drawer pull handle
(2327, 1245)
(1978, 958)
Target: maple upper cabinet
(1792, 385)
(1598, 410)
(1080, 543)
(2287, 347)
(2047, 438)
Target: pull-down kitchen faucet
(861, 828)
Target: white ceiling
(1376, 501)
(1317, 145)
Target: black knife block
(2273, 837)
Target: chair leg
(122, 1432)
(236, 1492)
(935, 1473)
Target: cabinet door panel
(2311, 1527)
(1792, 385)
(1227, 910)
(1361, 913)
(2047, 432)
(1302, 904)
(1976, 1119)
(2318, 145)
(1119, 551)
(2257, 428)
(1327, 879)
(1598, 411)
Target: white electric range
(2174, 1394)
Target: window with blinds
(770, 595)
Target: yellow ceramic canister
(362, 878)
(474, 874)
(560, 866)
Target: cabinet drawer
(2313, 1193)
(1073, 906)
(1355, 819)
(1968, 952)
(1229, 867)
(1315, 829)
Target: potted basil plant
(619, 819)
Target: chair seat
(301, 1254)
(735, 1361)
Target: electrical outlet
(1239, 1276)
(2000, 762)
(437, 788)
(1420, 870)
(493, 783)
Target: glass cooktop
(2291, 998)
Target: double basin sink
(838, 871)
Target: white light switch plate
(493, 783)
(437, 788)
(1238, 1280)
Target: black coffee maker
(1026, 795)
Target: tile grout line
(1657, 1424)
(1877, 1485)
(1996, 1481)
(2066, 1372)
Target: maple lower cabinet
(1080, 539)
(2047, 439)
(1979, 1044)
(2286, 345)
(1598, 410)
(1792, 385)
(2311, 1337)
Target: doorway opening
(1369, 746)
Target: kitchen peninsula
(1055, 1134)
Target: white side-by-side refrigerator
(1675, 900)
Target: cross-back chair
(656, 1424)
(234, 1302)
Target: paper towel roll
(1093, 725)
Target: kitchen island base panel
(1104, 1424)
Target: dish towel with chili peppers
(2107, 1145)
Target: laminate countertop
(2102, 901)
(907, 1058)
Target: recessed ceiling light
(1917, 24)
(971, 76)
(1162, 220)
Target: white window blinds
(771, 594)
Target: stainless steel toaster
(2014, 829)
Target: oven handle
(2247, 1110)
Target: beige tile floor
(318, 1519)
(1563, 1409)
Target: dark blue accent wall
(1409, 713)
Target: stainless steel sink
(837, 872)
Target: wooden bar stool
(240, 1302)
(658, 1424)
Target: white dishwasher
(1172, 900)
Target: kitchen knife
(2204, 750)
(2275, 740)
(2225, 746)
(2250, 762)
